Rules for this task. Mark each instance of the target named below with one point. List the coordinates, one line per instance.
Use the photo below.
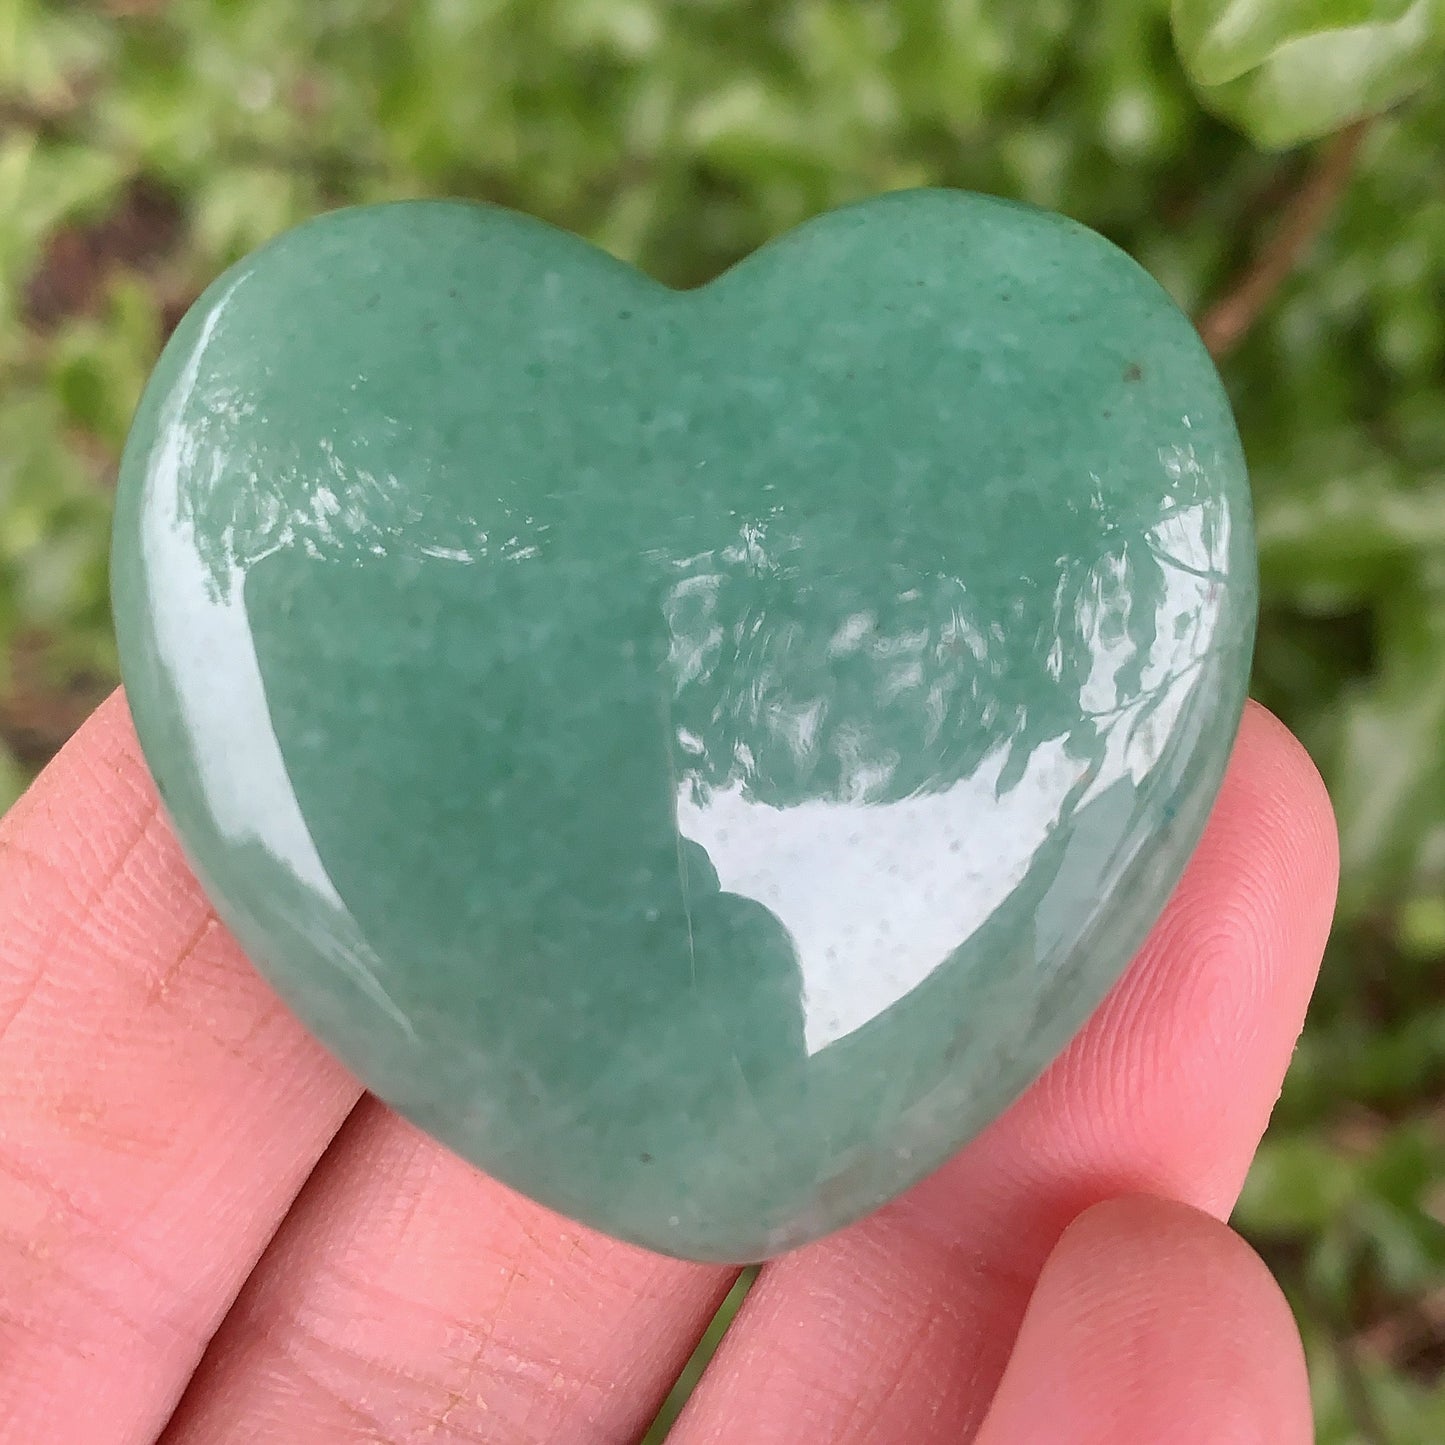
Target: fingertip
(1183, 1060)
(1260, 888)
(1153, 1321)
(1272, 771)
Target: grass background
(144, 144)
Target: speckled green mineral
(698, 754)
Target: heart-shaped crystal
(698, 754)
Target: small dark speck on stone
(1133, 372)
(646, 1158)
(1107, 413)
(373, 303)
(455, 294)
(624, 316)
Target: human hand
(208, 1235)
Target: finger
(1152, 1321)
(409, 1298)
(158, 1107)
(899, 1328)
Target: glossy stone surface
(697, 754)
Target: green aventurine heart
(698, 754)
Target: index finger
(159, 1108)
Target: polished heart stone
(698, 754)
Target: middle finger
(410, 1297)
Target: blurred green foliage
(145, 144)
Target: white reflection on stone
(932, 869)
(203, 640)
(1190, 543)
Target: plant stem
(1306, 213)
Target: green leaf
(43, 46)
(1390, 792)
(44, 185)
(1422, 927)
(1297, 1183)
(1293, 70)
(707, 1347)
(1223, 39)
(1350, 526)
(98, 367)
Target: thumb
(1153, 1322)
